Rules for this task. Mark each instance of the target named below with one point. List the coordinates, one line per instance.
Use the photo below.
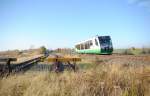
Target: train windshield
(105, 40)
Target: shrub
(143, 51)
(148, 51)
(43, 50)
(127, 52)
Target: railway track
(55, 62)
(8, 68)
(33, 65)
(26, 65)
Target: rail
(7, 67)
(7, 61)
(23, 66)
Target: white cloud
(142, 3)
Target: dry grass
(101, 80)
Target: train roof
(90, 39)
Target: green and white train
(95, 45)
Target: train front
(105, 44)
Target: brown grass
(102, 80)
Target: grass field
(132, 51)
(106, 75)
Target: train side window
(78, 47)
(85, 45)
(82, 46)
(91, 43)
(96, 43)
(88, 43)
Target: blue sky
(62, 23)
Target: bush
(148, 51)
(143, 51)
(127, 52)
(43, 50)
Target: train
(95, 45)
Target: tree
(43, 49)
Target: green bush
(127, 52)
(43, 50)
(143, 51)
(148, 51)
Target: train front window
(104, 40)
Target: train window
(86, 47)
(91, 43)
(82, 46)
(88, 43)
(96, 43)
(79, 47)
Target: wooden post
(75, 66)
(7, 62)
(8, 65)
